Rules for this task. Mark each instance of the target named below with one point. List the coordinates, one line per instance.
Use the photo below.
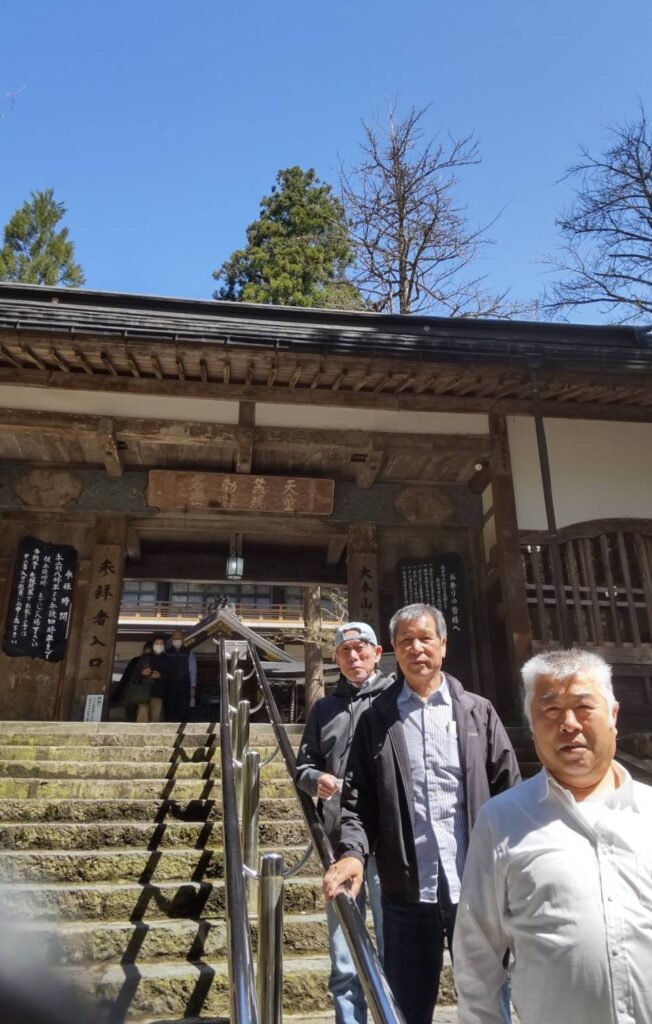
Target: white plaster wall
(206, 410)
(384, 420)
(599, 470)
(102, 403)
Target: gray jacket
(327, 739)
(377, 799)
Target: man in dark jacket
(425, 757)
(321, 764)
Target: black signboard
(41, 600)
(441, 581)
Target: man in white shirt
(559, 870)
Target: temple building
(160, 456)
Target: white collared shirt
(570, 895)
(440, 830)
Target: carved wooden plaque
(233, 492)
(100, 620)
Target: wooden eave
(78, 340)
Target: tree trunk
(314, 687)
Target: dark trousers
(414, 935)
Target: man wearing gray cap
(320, 769)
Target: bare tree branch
(606, 253)
(9, 98)
(412, 239)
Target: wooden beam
(108, 362)
(510, 562)
(245, 451)
(7, 355)
(335, 550)
(133, 544)
(132, 364)
(296, 439)
(366, 473)
(37, 359)
(638, 413)
(59, 360)
(109, 445)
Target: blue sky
(161, 124)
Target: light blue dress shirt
(440, 828)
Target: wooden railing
(607, 570)
(248, 613)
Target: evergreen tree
(297, 252)
(34, 252)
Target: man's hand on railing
(345, 875)
(327, 786)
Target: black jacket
(327, 739)
(377, 799)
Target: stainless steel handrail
(241, 964)
(380, 999)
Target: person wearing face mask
(155, 670)
(181, 693)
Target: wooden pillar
(97, 647)
(553, 539)
(510, 562)
(362, 575)
(314, 684)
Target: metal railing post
(270, 939)
(250, 809)
(241, 745)
(235, 686)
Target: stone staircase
(111, 865)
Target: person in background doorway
(181, 694)
(122, 695)
(425, 757)
(154, 669)
(321, 762)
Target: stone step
(71, 866)
(201, 988)
(181, 988)
(135, 901)
(143, 835)
(131, 789)
(167, 753)
(124, 770)
(115, 733)
(115, 810)
(85, 942)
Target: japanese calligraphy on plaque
(100, 620)
(237, 492)
(441, 582)
(363, 587)
(41, 600)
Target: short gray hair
(417, 611)
(562, 664)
